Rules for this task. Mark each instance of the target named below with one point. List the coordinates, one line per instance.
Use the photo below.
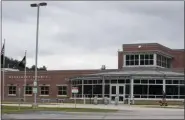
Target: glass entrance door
(117, 90)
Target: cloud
(85, 35)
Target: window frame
(44, 90)
(62, 90)
(15, 90)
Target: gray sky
(86, 35)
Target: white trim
(44, 95)
(61, 85)
(12, 95)
(140, 66)
(28, 94)
(155, 59)
(62, 96)
(124, 60)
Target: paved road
(122, 114)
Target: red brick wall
(146, 47)
(177, 62)
(179, 58)
(120, 59)
(53, 78)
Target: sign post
(19, 90)
(75, 91)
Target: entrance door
(117, 90)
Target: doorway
(117, 90)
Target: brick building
(144, 72)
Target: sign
(34, 90)
(74, 89)
(34, 83)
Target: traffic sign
(34, 90)
(74, 89)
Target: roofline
(150, 44)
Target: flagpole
(25, 79)
(3, 71)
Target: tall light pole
(36, 52)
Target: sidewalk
(100, 106)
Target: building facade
(144, 71)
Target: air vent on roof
(139, 46)
(103, 67)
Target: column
(155, 59)
(103, 87)
(124, 60)
(164, 85)
(82, 88)
(131, 90)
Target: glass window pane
(151, 62)
(144, 81)
(152, 81)
(127, 57)
(147, 56)
(142, 57)
(132, 57)
(136, 81)
(159, 81)
(151, 56)
(127, 62)
(113, 90)
(136, 62)
(168, 81)
(175, 82)
(136, 57)
(141, 62)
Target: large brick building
(144, 72)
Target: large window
(146, 59)
(12, 90)
(139, 59)
(140, 91)
(28, 90)
(44, 90)
(132, 59)
(62, 90)
(163, 61)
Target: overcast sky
(86, 35)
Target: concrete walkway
(117, 107)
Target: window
(136, 81)
(163, 61)
(145, 59)
(144, 81)
(62, 90)
(175, 81)
(28, 90)
(151, 81)
(159, 81)
(44, 90)
(168, 81)
(132, 59)
(12, 90)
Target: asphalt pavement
(125, 112)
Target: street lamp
(36, 52)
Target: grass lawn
(15, 109)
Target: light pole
(36, 52)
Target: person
(164, 99)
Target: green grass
(15, 109)
(155, 102)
